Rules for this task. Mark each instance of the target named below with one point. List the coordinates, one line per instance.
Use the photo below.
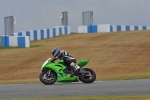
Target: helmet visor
(56, 53)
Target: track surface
(121, 87)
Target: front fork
(49, 72)
(48, 75)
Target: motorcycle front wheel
(48, 77)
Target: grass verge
(32, 46)
(129, 97)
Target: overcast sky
(38, 14)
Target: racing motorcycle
(52, 72)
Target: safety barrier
(41, 34)
(109, 28)
(15, 41)
(23, 38)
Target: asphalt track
(101, 88)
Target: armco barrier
(41, 34)
(15, 41)
(109, 28)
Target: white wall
(13, 41)
(103, 28)
(82, 29)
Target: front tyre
(88, 78)
(48, 77)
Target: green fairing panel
(58, 68)
(60, 61)
(82, 63)
(52, 66)
(62, 77)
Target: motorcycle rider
(69, 60)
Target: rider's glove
(52, 61)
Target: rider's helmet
(55, 52)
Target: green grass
(32, 46)
(129, 97)
(9, 47)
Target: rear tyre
(48, 77)
(86, 78)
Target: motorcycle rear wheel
(85, 78)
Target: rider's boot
(75, 70)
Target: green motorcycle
(52, 72)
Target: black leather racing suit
(68, 59)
